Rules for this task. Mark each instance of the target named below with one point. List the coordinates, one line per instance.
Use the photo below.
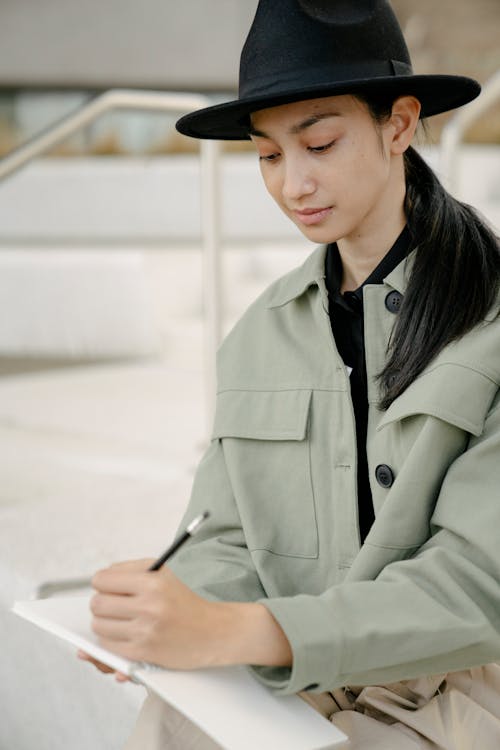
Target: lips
(310, 216)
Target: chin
(319, 235)
(323, 233)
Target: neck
(362, 250)
(360, 258)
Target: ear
(404, 121)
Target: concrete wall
(157, 201)
(101, 257)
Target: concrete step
(157, 200)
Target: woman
(352, 479)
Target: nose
(297, 181)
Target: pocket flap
(262, 415)
(451, 392)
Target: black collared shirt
(346, 319)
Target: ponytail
(455, 277)
(454, 281)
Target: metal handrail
(210, 195)
(454, 130)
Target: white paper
(227, 703)
(69, 618)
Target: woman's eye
(321, 149)
(268, 157)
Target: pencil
(191, 529)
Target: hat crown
(298, 42)
(308, 49)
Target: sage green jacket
(422, 594)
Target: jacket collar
(398, 277)
(295, 283)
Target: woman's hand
(119, 676)
(154, 617)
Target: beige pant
(458, 711)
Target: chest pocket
(420, 436)
(267, 451)
(454, 393)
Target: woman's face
(329, 166)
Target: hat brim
(230, 121)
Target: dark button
(312, 686)
(353, 301)
(393, 301)
(384, 475)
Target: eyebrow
(299, 127)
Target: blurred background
(111, 302)
(54, 55)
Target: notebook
(227, 703)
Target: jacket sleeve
(438, 611)
(216, 562)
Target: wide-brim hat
(306, 49)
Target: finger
(99, 664)
(126, 649)
(133, 565)
(112, 630)
(120, 677)
(115, 606)
(119, 581)
(82, 655)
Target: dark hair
(455, 276)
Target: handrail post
(210, 197)
(212, 271)
(454, 130)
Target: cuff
(307, 623)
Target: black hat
(305, 49)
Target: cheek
(364, 176)
(272, 182)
